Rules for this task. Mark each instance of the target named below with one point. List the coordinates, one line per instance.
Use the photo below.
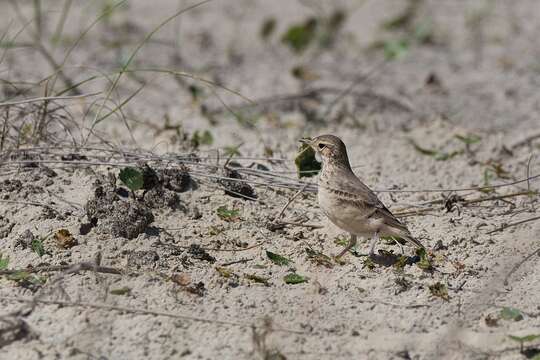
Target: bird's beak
(306, 141)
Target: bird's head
(330, 148)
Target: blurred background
(179, 74)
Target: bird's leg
(374, 241)
(352, 242)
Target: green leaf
(526, 338)
(37, 247)
(439, 290)
(423, 150)
(132, 178)
(395, 49)
(18, 275)
(510, 313)
(469, 139)
(341, 241)
(298, 37)
(368, 263)
(424, 263)
(257, 279)
(4, 262)
(23, 277)
(294, 278)
(231, 215)
(121, 291)
(204, 138)
(436, 154)
(305, 161)
(231, 151)
(278, 259)
(401, 262)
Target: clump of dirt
(9, 186)
(162, 185)
(25, 239)
(143, 258)
(150, 177)
(177, 179)
(159, 197)
(197, 252)
(116, 216)
(234, 188)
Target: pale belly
(348, 217)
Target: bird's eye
(321, 146)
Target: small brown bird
(348, 202)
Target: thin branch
(526, 140)
(501, 228)
(293, 223)
(27, 203)
(464, 202)
(290, 201)
(515, 267)
(48, 98)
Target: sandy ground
(165, 276)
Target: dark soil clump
(116, 216)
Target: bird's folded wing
(358, 192)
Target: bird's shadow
(386, 258)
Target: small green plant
(257, 279)
(341, 241)
(132, 178)
(486, 187)
(294, 278)
(37, 246)
(439, 290)
(468, 139)
(299, 37)
(400, 263)
(436, 154)
(524, 339)
(201, 138)
(229, 215)
(368, 263)
(510, 313)
(395, 49)
(425, 262)
(278, 259)
(4, 262)
(231, 151)
(25, 279)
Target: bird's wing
(360, 193)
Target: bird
(348, 202)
